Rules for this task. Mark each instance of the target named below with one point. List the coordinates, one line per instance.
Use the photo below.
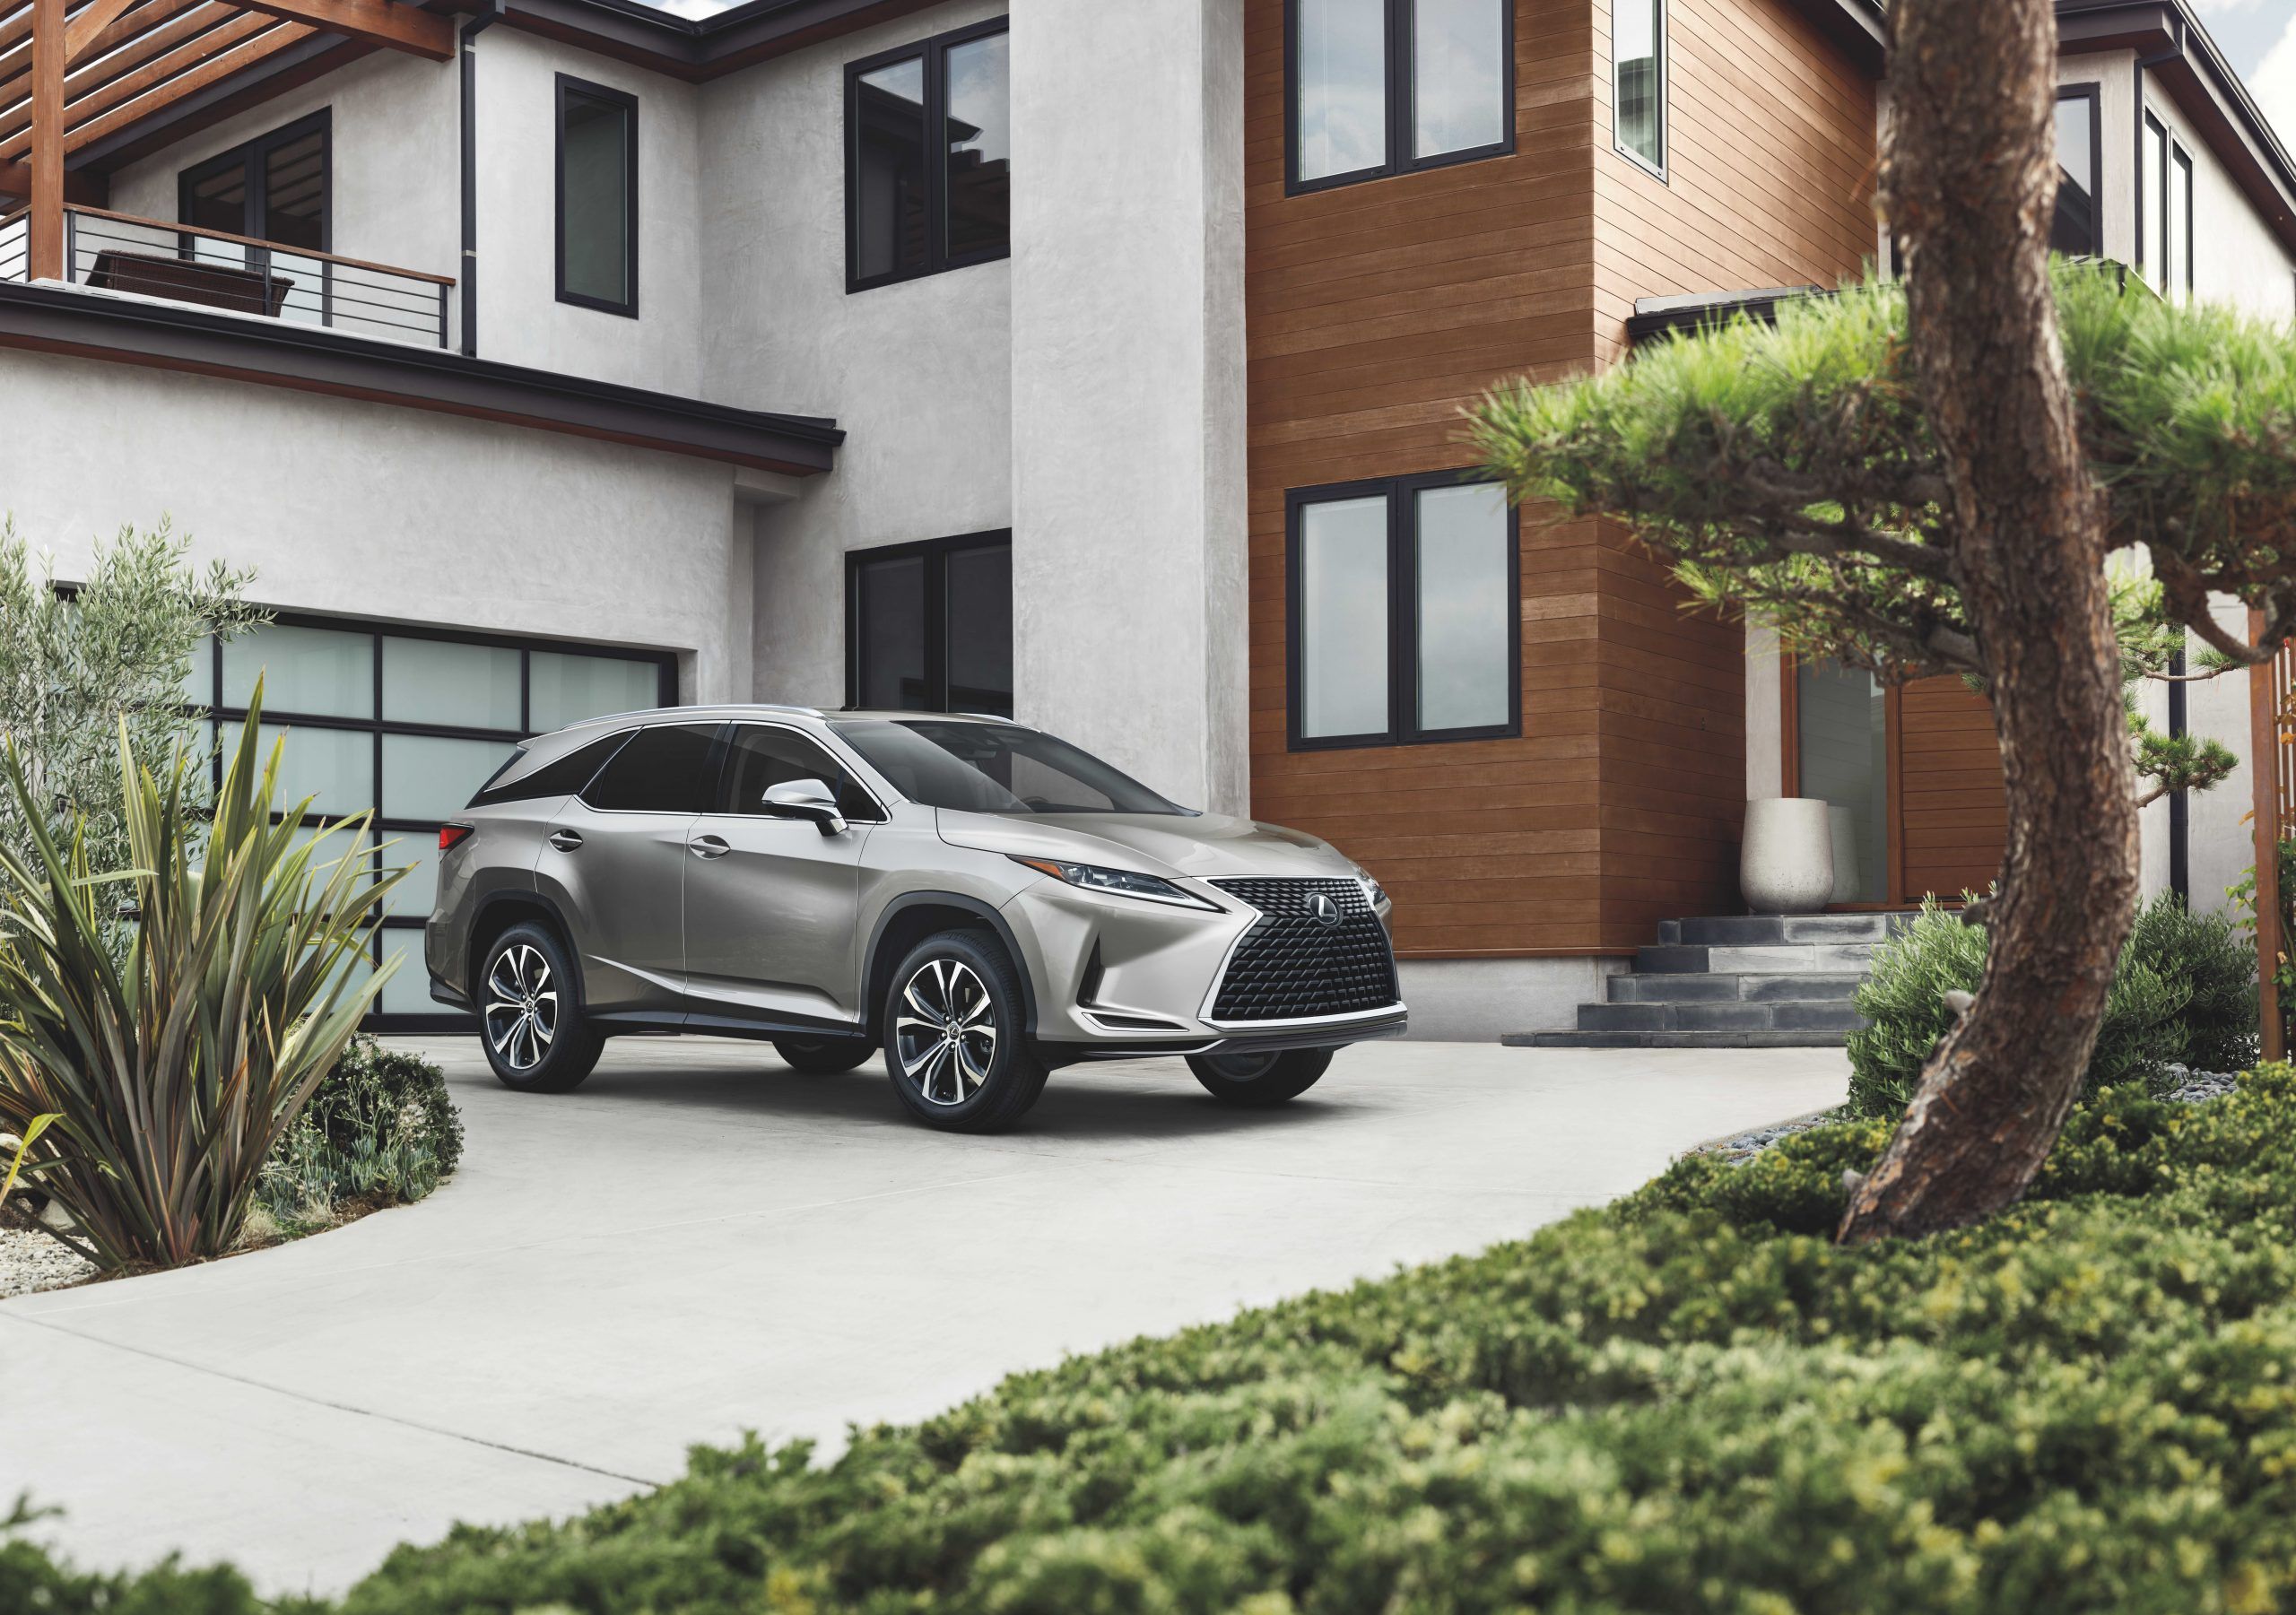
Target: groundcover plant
(1692, 1399)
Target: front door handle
(708, 846)
(566, 841)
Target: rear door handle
(708, 846)
(566, 841)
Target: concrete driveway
(699, 1241)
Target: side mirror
(808, 799)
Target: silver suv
(979, 900)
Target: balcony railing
(213, 269)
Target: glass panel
(890, 618)
(1465, 603)
(294, 214)
(199, 678)
(2180, 259)
(671, 770)
(888, 171)
(426, 778)
(595, 204)
(408, 991)
(417, 852)
(1341, 94)
(980, 147)
(218, 200)
(2075, 229)
(764, 757)
(1844, 760)
(315, 670)
(980, 630)
(565, 689)
(336, 767)
(1344, 618)
(440, 682)
(2156, 212)
(1458, 76)
(1637, 35)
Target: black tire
(1256, 1081)
(531, 1023)
(981, 1077)
(823, 1057)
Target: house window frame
(248, 156)
(2093, 92)
(1661, 170)
(933, 52)
(564, 84)
(1402, 495)
(1400, 103)
(222, 720)
(935, 553)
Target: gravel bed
(2189, 1088)
(31, 1261)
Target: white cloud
(2274, 85)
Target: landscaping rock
(31, 1261)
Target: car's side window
(563, 778)
(669, 770)
(764, 756)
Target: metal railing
(15, 246)
(214, 269)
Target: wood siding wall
(1953, 819)
(1376, 311)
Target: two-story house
(1095, 360)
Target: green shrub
(2183, 993)
(379, 1129)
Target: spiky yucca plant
(177, 1069)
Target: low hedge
(379, 1129)
(1691, 1400)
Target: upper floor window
(274, 187)
(929, 158)
(2078, 228)
(1387, 86)
(929, 626)
(597, 197)
(1402, 609)
(1638, 80)
(2164, 253)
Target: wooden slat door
(1951, 822)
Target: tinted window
(597, 196)
(562, 777)
(2074, 229)
(979, 147)
(994, 769)
(764, 757)
(673, 769)
(888, 197)
(929, 158)
(930, 627)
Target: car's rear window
(562, 777)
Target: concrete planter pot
(1786, 863)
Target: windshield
(994, 769)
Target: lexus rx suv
(980, 901)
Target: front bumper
(1334, 1033)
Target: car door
(615, 858)
(773, 905)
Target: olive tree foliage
(77, 663)
(1789, 470)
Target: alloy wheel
(521, 1007)
(945, 1031)
(1243, 1068)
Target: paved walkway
(699, 1241)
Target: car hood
(1202, 846)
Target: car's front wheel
(1259, 1080)
(823, 1057)
(955, 1029)
(530, 1015)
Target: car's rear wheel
(1256, 1081)
(955, 1029)
(530, 1013)
(823, 1057)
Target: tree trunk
(1970, 180)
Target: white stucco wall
(917, 373)
(1129, 498)
(378, 511)
(2237, 259)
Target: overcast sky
(2259, 36)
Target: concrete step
(1753, 958)
(1772, 928)
(1734, 1015)
(1629, 988)
(1717, 1039)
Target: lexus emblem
(1325, 911)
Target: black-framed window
(2078, 229)
(918, 202)
(929, 626)
(1639, 122)
(276, 188)
(1380, 87)
(2164, 210)
(1403, 621)
(408, 723)
(597, 196)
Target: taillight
(451, 835)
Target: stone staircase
(1745, 981)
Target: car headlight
(1374, 893)
(1122, 882)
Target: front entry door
(772, 905)
(615, 860)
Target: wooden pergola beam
(123, 58)
(389, 23)
(87, 22)
(213, 70)
(81, 187)
(44, 229)
(171, 75)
